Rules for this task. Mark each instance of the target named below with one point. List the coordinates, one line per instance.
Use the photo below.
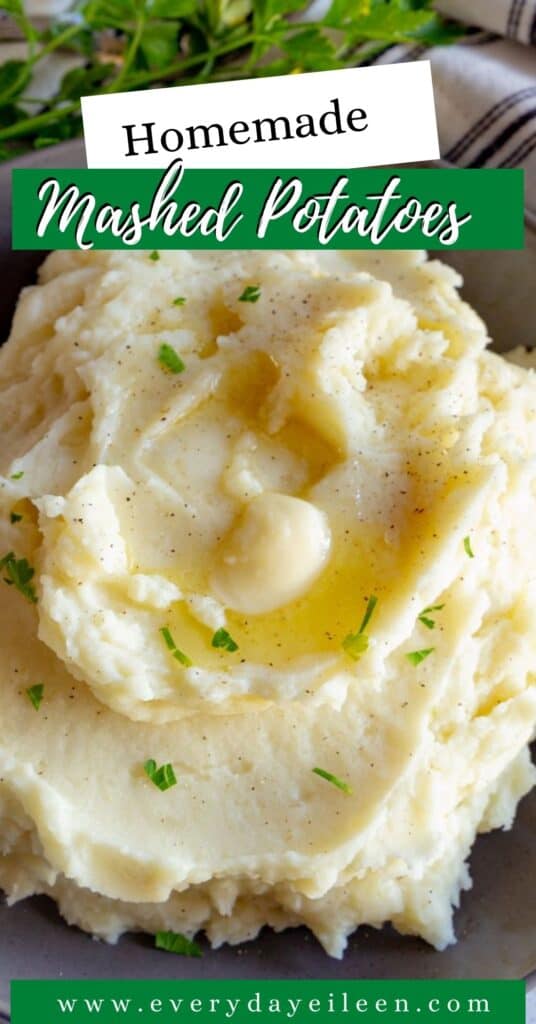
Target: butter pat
(272, 555)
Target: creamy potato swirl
(215, 463)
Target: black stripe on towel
(524, 149)
(483, 38)
(383, 53)
(486, 121)
(413, 53)
(499, 141)
(514, 18)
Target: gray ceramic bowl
(496, 923)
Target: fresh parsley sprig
(415, 657)
(224, 640)
(174, 942)
(251, 293)
(467, 547)
(35, 694)
(334, 779)
(425, 615)
(170, 359)
(163, 778)
(355, 644)
(19, 574)
(172, 646)
(171, 42)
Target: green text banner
(369, 208)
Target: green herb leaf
(163, 777)
(159, 43)
(172, 646)
(371, 604)
(35, 695)
(251, 293)
(174, 942)
(45, 141)
(85, 81)
(415, 657)
(169, 359)
(424, 616)
(19, 574)
(168, 639)
(16, 9)
(14, 517)
(182, 657)
(14, 76)
(339, 783)
(10, 115)
(17, 476)
(179, 301)
(391, 21)
(355, 644)
(13, 7)
(311, 49)
(173, 8)
(224, 639)
(154, 256)
(121, 14)
(467, 546)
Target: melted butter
(365, 559)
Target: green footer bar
(268, 1002)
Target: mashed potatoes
(219, 466)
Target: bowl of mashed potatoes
(268, 594)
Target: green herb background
(136, 44)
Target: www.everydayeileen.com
(227, 1008)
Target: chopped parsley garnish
(224, 639)
(424, 617)
(415, 657)
(163, 777)
(168, 639)
(355, 644)
(339, 783)
(169, 359)
(19, 574)
(174, 942)
(154, 255)
(467, 545)
(14, 517)
(179, 301)
(35, 695)
(17, 476)
(251, 293)
(172, 646)
(182, 657)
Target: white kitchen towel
(485, 87)
(514, 19)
